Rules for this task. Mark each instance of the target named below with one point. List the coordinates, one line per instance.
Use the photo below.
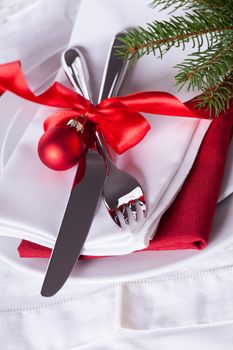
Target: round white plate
(132, 266)
(122, 268)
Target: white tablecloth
(190, 308)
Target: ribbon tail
(12, 79)
(162, 103)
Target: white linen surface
(189, 308)
(33, 201)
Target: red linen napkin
(187, 222)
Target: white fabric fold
(189, 308)
(34, 198)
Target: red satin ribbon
(118, 118)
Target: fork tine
(133, 209)
(123, 210)
(142, 203)
(115, 217)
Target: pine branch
(207, 68)
(209, 27)
(162, 36)
(217, 98)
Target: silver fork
(122, 193)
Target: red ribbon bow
(118, 118)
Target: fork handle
(114, 73)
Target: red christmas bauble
(60, 148)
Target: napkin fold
(187, 222)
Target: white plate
(132, 266)
(122, 268)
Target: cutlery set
(121, 192)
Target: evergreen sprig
(209, 27)
(200, 69)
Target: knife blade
(83, 199)
(75, 225)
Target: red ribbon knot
(91, 113)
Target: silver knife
(84, 196)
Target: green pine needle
(209, 27)
(207, 68)
(217, 99)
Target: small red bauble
(60, 148)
